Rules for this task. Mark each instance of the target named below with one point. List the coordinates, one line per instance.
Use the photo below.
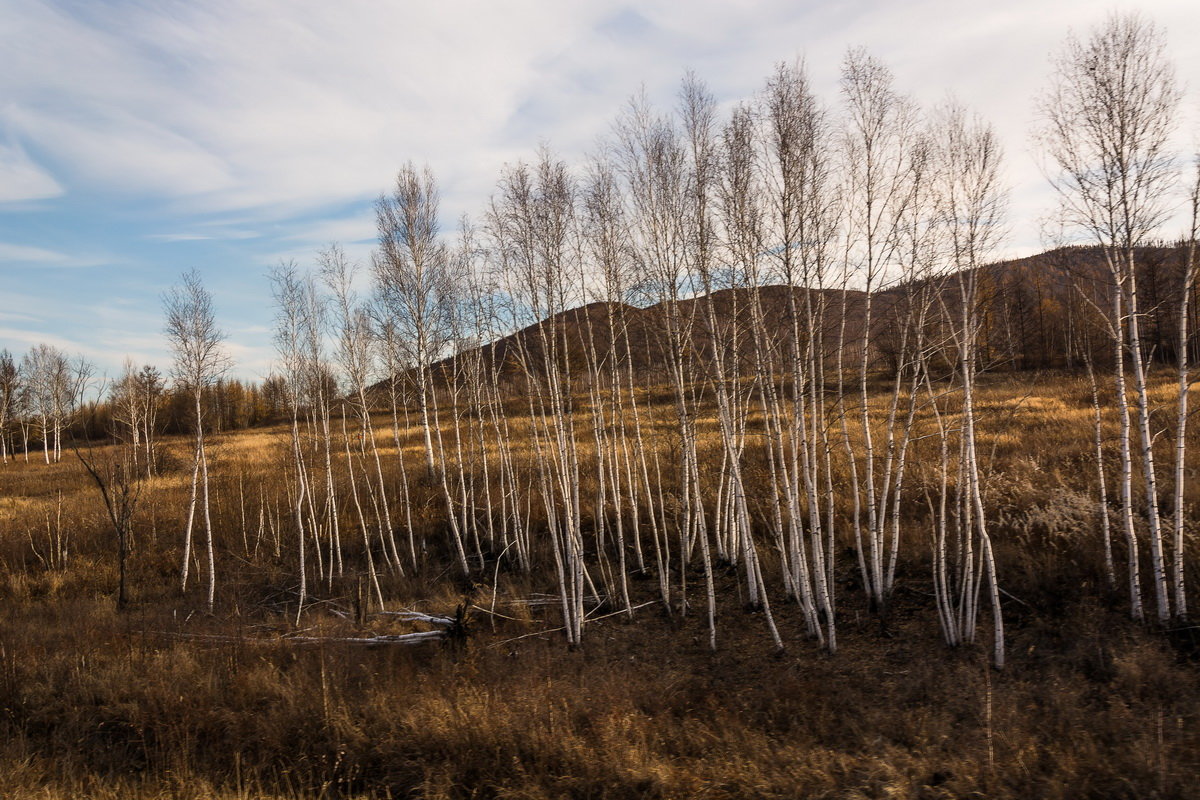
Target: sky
(140, 140)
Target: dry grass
(1091, 707)
(166, 702)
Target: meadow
(257, 699)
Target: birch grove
(723, 347)
(733, 365)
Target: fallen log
(373, 641)
(417, 616)
(382, 639)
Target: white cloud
(105, 333)
(268, 106)
(21, 179)
(274, 108)
(180, 237)
(360, 228)
(17, 252)
(213, 235)
(98, 351)
(40, 256)
(13, 316)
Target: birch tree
(414, 281)
(878, 181)
(10, 388)
(148, 383)
(800, 226)
(413, 278)
(970, 213)
(533, 222)
(653, 159)
(134, 402)
(43, 366)
(1108, 118)
(1183, 385)
(289, 292)
(355, 357)
(200, 359)
(608, 242)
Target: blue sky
(139, 140)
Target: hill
(1038, 312)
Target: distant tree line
(46, 394)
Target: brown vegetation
(166, 701)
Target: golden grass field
(164, 700)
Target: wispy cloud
(22, 180)
(202, 237)
(98, 352)
(180, 237)
(13, 316)
(360, 228)
(40, 256)
(226, 106)
(17, 252)
(277, 108)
